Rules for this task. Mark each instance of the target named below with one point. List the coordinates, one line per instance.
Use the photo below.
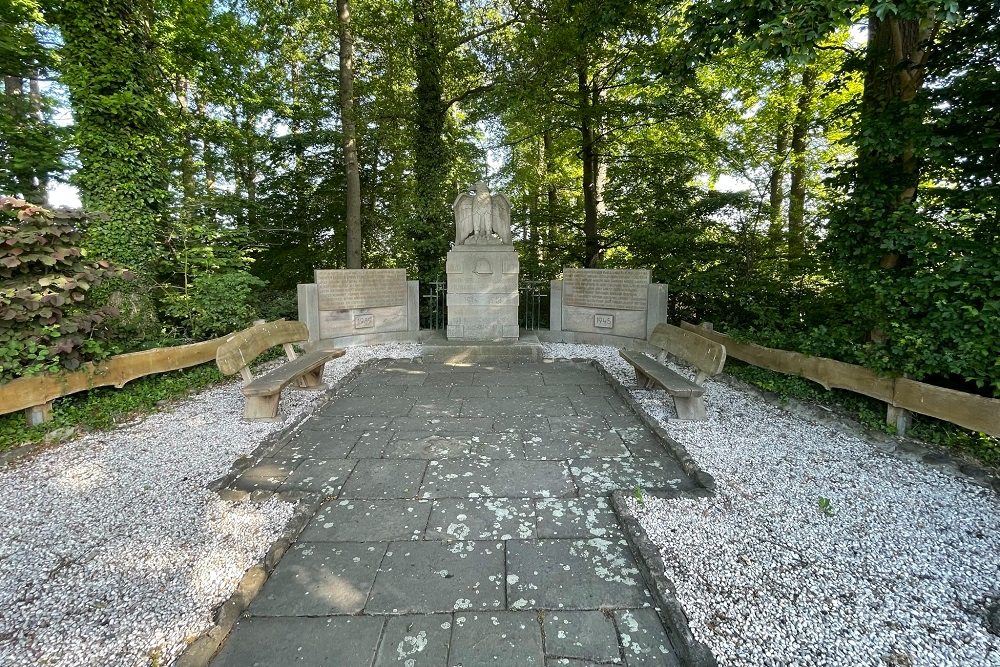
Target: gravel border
(898, 568)
(114, 551)
(692, 653)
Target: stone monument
(482, 269)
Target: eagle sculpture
(482, 218)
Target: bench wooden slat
(704, 354)
(276, 380)
(671, 382)
(244, 346)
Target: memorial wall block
(348, 302)
(605, 301)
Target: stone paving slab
(444, 424)
(580, 518)
(417, 640)
(340, 641)
(572, 574)
(501, 638)
(429, 577)
(579, 424)
(643, 639)
(429, 445)
(384, 478)
(472, 478)
(523, 423)
(324, 476)
(269, 474)
(320, 579)
(428, 407)
(602, 476)
(372, 444)
(584, 635)
(561, 446)
(365, 423)
(357, 406)
(368, 521)
(329, 444)
(481, 518)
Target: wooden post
(898, 417)
(38, 414)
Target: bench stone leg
(690, 408)
(262, 407)
(313, 379)
(643, 381)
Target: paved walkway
(467, 524)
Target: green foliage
(216, 303)
(45, 280)
(111, 67)
(825, 506)
(105, 408)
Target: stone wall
(607, 302)
(358, 302)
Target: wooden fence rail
(970, 411)
(35, 394)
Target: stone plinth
(482, 292)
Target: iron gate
(532, 311)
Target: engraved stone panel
(366, 321)
(604, 321)
(606, 288)
(345, 289)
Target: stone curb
(890, 445)
(201, 651)
(679, 452)
(692, 653)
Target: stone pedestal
(482, 292)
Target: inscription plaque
(604, 321)
(364, 321)
(606, 288)
(344, 289)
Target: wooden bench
(705, 355)
(264, 393)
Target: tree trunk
(188, 183)
(800, 139)
(432, 228)
(350, 136)
(591, 243)
(776, 182)
(550, 192)
(897, 55)
(207, 155)
(41, 179)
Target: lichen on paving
(112, 550)
(899, 568)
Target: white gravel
(112, 551)
(899, 572)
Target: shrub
(216, 303)
(45, 324)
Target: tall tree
(350, 134)
(110, 65)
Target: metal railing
(533, 310)
(433, 304)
